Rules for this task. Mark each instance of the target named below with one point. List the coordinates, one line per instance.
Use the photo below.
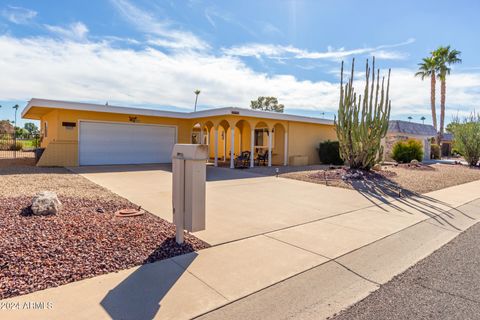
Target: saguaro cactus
(362, 123)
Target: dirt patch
(84, 240)
(408, 178)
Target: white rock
(414, 162)
(46, 203)
(377, 167)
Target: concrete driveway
(240, 204)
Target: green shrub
(16, 146)
(434, 151)
(466, 138)
(329, 152)
(407, 150)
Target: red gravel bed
(84, 240)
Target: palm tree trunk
(433, 83)
(443, 89)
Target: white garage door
(116, 143)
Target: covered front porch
(243, 142)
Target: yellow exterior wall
(303, 138)
(51, 118)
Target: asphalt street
(445, 285)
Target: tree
(445, 57)
(267, 104)
(31, 128)
(466, 138)
(450, 126)
(423, 119)
(21, 132)
(197, 92)
(428, 68)
(361, 124)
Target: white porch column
(216, 147)
(232, 147)
(252, 148)
(201, 135)
(270, 148)
(285, 149)
(224, 145)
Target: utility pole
(197, 92)
(15, 131)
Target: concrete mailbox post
(189, 176)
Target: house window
(261, 138)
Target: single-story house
(403, 130)
(76, 134)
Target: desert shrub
(434, 151)
(329, 152)
(467, 139)
(407, 150)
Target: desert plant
(405, 151)
(434, 151)
(466, 139)
(361, 124)
(428, 68)
(444, 56)
(329, 152)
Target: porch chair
(243, 160)
(262, 158)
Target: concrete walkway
(349, 253)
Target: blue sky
(156, 53)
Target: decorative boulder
(45, 203)
(377, 167)
(414, 162)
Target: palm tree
(428, 68)
(197, 92)
(423, 119)
(410, 118)
(445, 56)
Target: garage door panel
(114, 143)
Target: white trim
(119, 122)
(68, 105)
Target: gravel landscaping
(414, 179)
(84, 240)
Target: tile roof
(413, 128)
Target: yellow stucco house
(76, 134)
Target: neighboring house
(6, 127)
(92, 134)
(447, 142)
(403, 130)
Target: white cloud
(94, 70)
(75, 31)
(18, 15)
(289, 52)
(149, 24)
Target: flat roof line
(81, 106)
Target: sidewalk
(353, 252)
